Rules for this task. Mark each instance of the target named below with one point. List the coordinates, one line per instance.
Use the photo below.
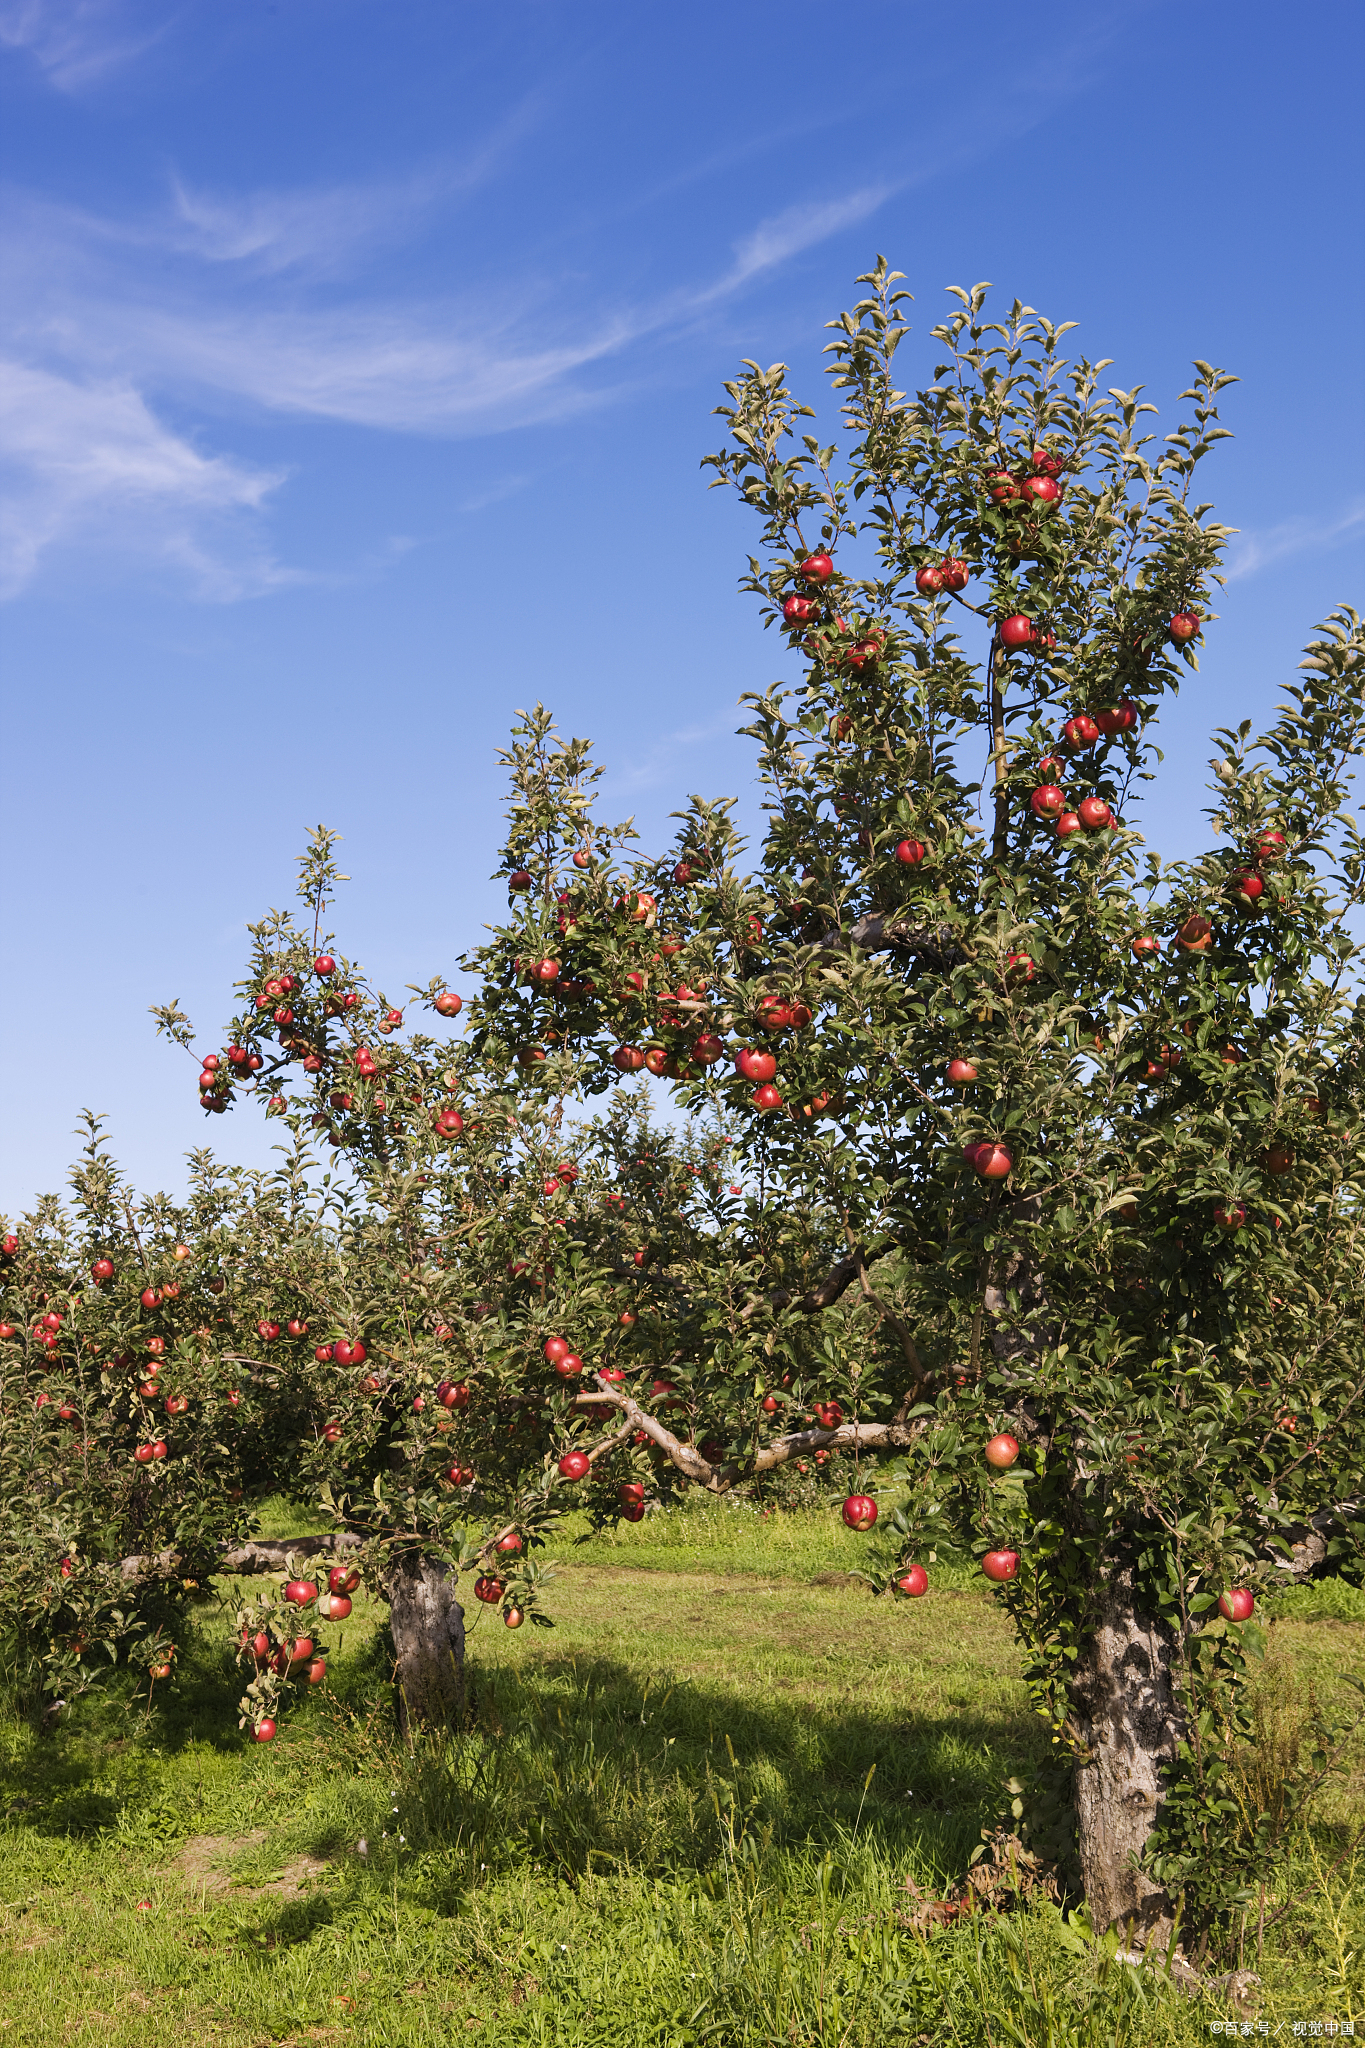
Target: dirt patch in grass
(204, 1862)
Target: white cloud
(76, 43)
(84, 460)
(801, 227)
(1259, 550)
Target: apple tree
(136, 1435)
(1078, 1124)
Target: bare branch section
(893, 932)
(853, 1436)
(246, 1559)
(827, 1291)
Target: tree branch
(856, 1436)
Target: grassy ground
(689, 1814)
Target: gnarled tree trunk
(427, 1624)
(1127, 1715)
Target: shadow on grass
(568, 1767)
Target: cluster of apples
(1081, 732)
(801, 611)
(1031, 488)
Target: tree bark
(1126, 1714)
(427, 1624)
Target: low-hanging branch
(719, 1478)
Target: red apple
(1270, 846)
(297, 1327)
(817, 568)
(993, 1162)
(159, 1450)
(1230, 1216)
(569, 1365)
(910, 852)
(955, 573)
(929, 579)
(628, 1059)
(859, 1511)
(1081, 731)
(1047, 802)
(509, 1544)
(1045, 463)
(767, 1097)
(630, 1493)
(1119, 718)
(448, 1003)
(1237, 1605)
(1000, 1565)
(518, 880)
(1247, 888)
(575, 1465)
(914, 1582)
(299, 1592)
(1019, 967)
(1184, 627)
(1145, 947)
(799, 611)
(1094, 813)
(264, 1731)
(754, 1065)
(1194, 935)
(1043, 490)
(324, 965)
(488, 1589)
(143, 1454)
(1017, 631)
(1001, 1452)
(1280, 1159)
(961, 1073)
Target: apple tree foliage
(1131, 1236)
(137, 1432)
(994, 1122)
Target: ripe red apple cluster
(949, 574)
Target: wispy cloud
(92, 460)
(78, 43)
(326, 230)
(1257, 551)
(220, 302)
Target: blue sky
(356, 362)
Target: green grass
(686, 1815)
